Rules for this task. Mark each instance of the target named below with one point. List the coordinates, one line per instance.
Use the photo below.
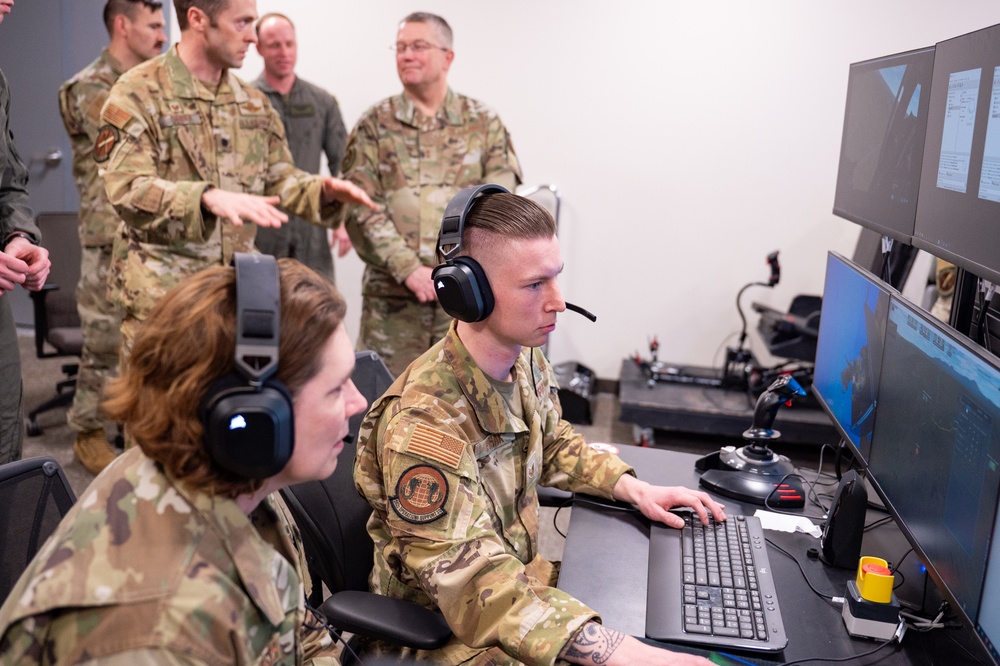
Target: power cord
(839, 659)
(828, 597)
(555, 515)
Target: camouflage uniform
(313, 126)
(414, 166)
(450, 460)
(152, 571)
(15, 215)
(170, 138)
(80, 102)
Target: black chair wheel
(34, 430)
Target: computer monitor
(960, 180)
(988, 623)
(849, 350)
(882, 148)
(936, 454)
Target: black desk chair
(332, 518)
(57, 322)
(34, 496)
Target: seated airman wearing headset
(182, 551)
(451, 456)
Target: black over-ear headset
(247, 414)
(460, 282)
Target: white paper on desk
(780, 522)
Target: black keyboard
(711, 585)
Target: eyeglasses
(418, 48)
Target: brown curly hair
(188, 342)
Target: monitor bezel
(873, 480)
(950, 205)
(859, 456)
(853, 216)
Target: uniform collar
(450, 112)
(183, 84)
(111, 62)
(491, 409)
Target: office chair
(332, 518)
(34, 496)
(57, 322)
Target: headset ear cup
(463, 290)
(248, 431)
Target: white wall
(688, 139)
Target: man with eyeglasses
(135, 30)
(314, 127)
(413, 152)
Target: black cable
(851, 658)
(555, 515)
(877, 523)
(739, 309)
(896, 572)
(334, 632)
(828, 597)
(788, 513)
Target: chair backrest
(331, 515)
(34, 496)
(58, 322)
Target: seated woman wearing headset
(182, 551)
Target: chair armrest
(383, 618)
(41, 317)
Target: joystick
(754, 473)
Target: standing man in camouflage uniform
(313, 126)
(195, 159)
(169, 557)
(135, 28)
(22, 262)
(412, 153)
(451, 456)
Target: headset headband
(258, 328)
(454, 217)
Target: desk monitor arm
(755, 473)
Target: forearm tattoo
(595, 642)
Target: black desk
(695, 408)
(606, 559)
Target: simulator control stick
(754, 473)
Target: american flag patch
(436, 445)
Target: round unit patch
(106, 139)
(420, 494)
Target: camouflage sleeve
(440, 515)
(80, 105)
(300, 192)
(373, 233)
(15, 213)
(145, 657)
(140, 196)
(568, 462)
(500, 162)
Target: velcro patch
(175, 119)
(116, 115)
(93, 111)
(254, 123)
(421, 493)
(107, 139)
(436, 445)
